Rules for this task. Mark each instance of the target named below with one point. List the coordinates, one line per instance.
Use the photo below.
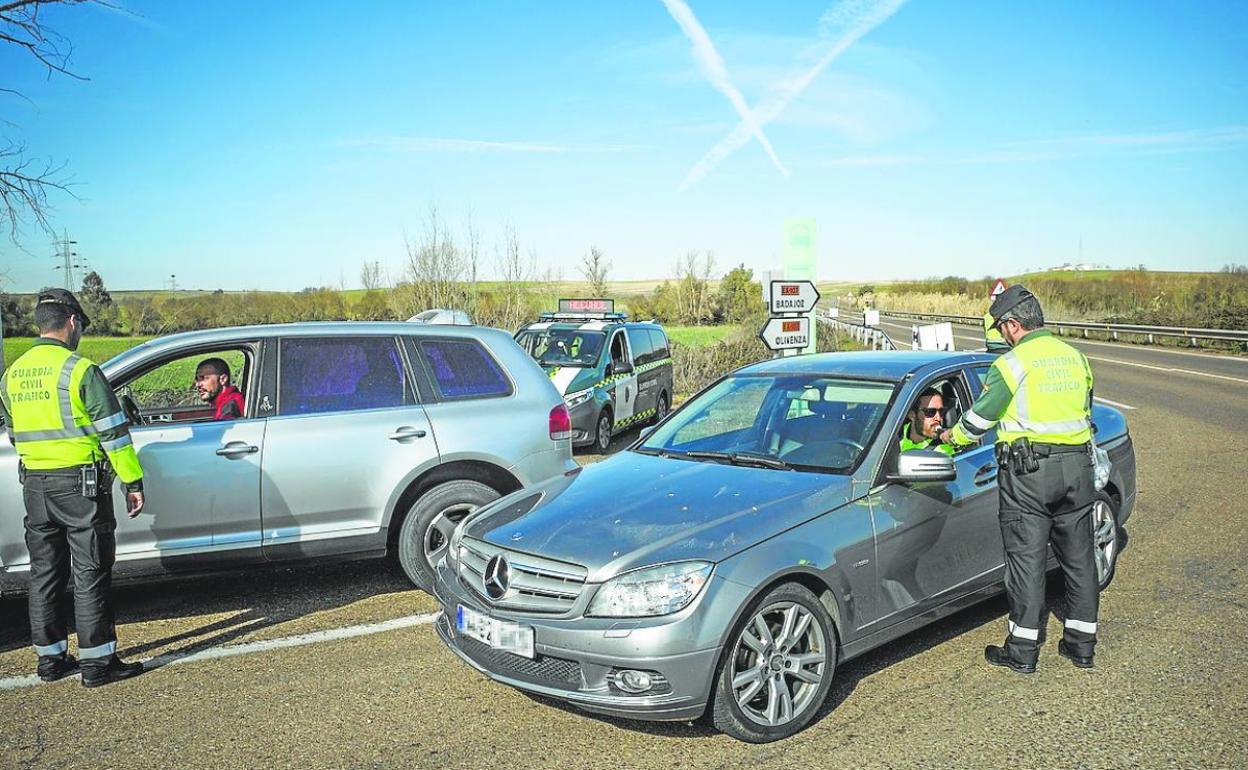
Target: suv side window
(463, 369)
(340, 374)
(639, 341)
(658, 341)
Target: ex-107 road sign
(793, 296)
(786, 333)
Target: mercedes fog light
(633, 681)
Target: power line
(70, 260)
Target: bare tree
(693, 287)
(372, 277)
(25, 181)
(594, 267)
(434, 275)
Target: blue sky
(279, 145)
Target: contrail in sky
(713, 67)
(855, 18)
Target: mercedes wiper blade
(766, 461)
(707, 454)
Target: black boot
(1080, 661)
(999, 656)
(54, 667)
(101, 671)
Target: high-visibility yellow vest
(1052, 386)
(51, 427)
(993, 340)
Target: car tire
(661, 407)
(426, 529)
(1107, 540)
(763, 670)
(602, 431)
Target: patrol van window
(619, 351)
(658, 341)
(463, 369)
(643, 351)
(340, 374)
(169, 392)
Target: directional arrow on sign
(786, 333)
(793, 296)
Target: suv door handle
(237, 449)
(986, 474)
(406, 432)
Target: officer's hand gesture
(134, 503)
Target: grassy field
(98, 349)
(696, 336)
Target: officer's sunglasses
(930, 411)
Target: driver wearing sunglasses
(924, 426)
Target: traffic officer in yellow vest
(1038, 396)
(64, 420)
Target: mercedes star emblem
(497, 577)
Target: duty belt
(1044, 450)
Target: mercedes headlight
(659, 590)
(578, 398)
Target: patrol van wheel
(426, 530)
(1106, 538)
(660, 409)
(602, 434)
(777, 667)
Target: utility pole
(69, 259)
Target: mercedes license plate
(499, 634)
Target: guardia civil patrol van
(613, 373)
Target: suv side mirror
(920, 465)
(620, 367)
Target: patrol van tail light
(560, 423)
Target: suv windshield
(803, 421)
(562, 347)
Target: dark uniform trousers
(1050, 505)
(68, 533)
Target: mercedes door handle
(237, 449)
(406, 432)
(986, 474)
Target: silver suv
(356, 439)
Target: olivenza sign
(786, 333)
(793, 296)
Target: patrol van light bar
(586, 308)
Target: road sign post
(800, 260)
(783, 334)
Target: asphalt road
(1169, 689)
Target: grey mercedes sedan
(729, 561)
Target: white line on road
(265, 645)
(1169, 369)
(1111, 403)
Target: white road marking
(229, 651)
(1169, 369)
(1111, 403)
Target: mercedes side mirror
(920, 465)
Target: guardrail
(1112, 331)
(876, 338)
